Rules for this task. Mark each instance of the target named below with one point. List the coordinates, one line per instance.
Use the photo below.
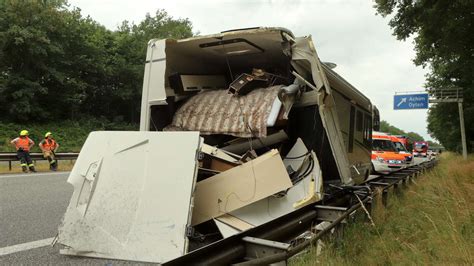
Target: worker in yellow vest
(23, 146)
(49, 146)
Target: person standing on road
(49, 146)
(23, 146)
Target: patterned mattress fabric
(217, 112)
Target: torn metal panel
(305, 59)
(122, 206)
(306, 191)
(239, 186)
(154, 91)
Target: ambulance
(403, 150)
(385, 156)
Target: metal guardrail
(35, 156)
(268, 243)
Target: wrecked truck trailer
(333, 118)
(237, 129)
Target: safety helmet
(24, 132)
(47, 134)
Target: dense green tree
(414, 136)
(444, 42)
(393, 130)
(56, 64)
(28, 52)
(388, 128)
(130, 44)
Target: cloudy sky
(346, 32)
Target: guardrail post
(9, 165)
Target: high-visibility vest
(49, 144)
(23, 143)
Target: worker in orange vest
(49, 146)
(23, 146)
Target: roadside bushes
(69, 134)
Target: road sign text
(410, 101)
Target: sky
(346, 32)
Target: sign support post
(420, 101)
(451, 95)
(463, 131)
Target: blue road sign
(410, 101)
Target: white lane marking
(26, 246)
(34, 174)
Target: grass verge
(432, 222)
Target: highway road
(31, 208)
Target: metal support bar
(258, 248)
(452, 94)
(329, 213)
(272, 235)
(296, 249)
(392, 178)
(463, 131)
(379, 184)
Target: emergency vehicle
(420, 149)
(385, 156)
(403, 150)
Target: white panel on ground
(132, 196)
(301, 194)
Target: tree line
(444, 43)
(56, 64)
(393, 130)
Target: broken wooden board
(239, 187)
(218, 153)
(132, 196)
(234, 222)
(307, 191)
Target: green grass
(69, 134)
(432, 222)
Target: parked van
(385, 155)
(403, 150)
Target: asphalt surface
(31, 208)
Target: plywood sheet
(304, 192)
(132, 196)
(239, 186)
(234, 222)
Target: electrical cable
(227, 62)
